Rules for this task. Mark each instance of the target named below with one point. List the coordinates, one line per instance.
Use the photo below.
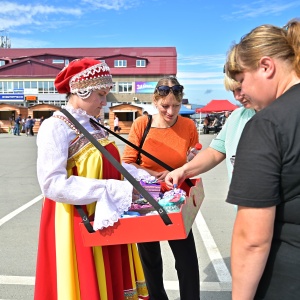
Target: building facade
(27, 75)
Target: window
(2, 63)
(125, 87)
(141, 63)
(8, 87)
(120, 63)
(27, 84)
(113, 89)
(46, 88)
(41, 87)
(58, 61)
(33, 84)
(51, 87)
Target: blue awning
(186, 111)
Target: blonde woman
(265, 255)
(169, 139)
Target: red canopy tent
(217, 106)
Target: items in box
(170, 200)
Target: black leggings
(186, 264)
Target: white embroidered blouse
(113, 197)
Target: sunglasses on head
(164, 90)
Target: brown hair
(166, 81)
(266, 40)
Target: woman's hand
(160, 176)
(177, 176)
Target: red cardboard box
(149, 228)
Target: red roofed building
(27, 75)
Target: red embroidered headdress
(82, 76)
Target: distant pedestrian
(225, 117)
(28, 125)
(42, 120)
(116, 124)
(18, 121)
(22, 125)
(31, 127)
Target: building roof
(90, 52)
(160, 60)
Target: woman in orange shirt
(169, 139)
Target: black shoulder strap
(158, 161)
(161, 211)
(138, 160)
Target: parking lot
(20, 201)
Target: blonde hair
(231, 84)
(166, 81)
(266, 40)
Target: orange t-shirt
(170, 145)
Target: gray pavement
(20, 213)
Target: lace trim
(68, 122)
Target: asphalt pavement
(20, 201)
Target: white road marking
(20, 209)
(18, 280)
(169, 285)
(220, 267)
(212, 250)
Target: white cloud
(212, 61)
(15, 9)
(29, 43)
(200, 75)
(112, 4)
(14, 15)
(203, 64)
(206, 81)
(262, 8)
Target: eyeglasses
(164, 90)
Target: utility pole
(4, 39)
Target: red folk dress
(66, 270)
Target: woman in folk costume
(71, 171)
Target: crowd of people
(215, 122)
(262, 156)
(24, 125)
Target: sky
(202, 31)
